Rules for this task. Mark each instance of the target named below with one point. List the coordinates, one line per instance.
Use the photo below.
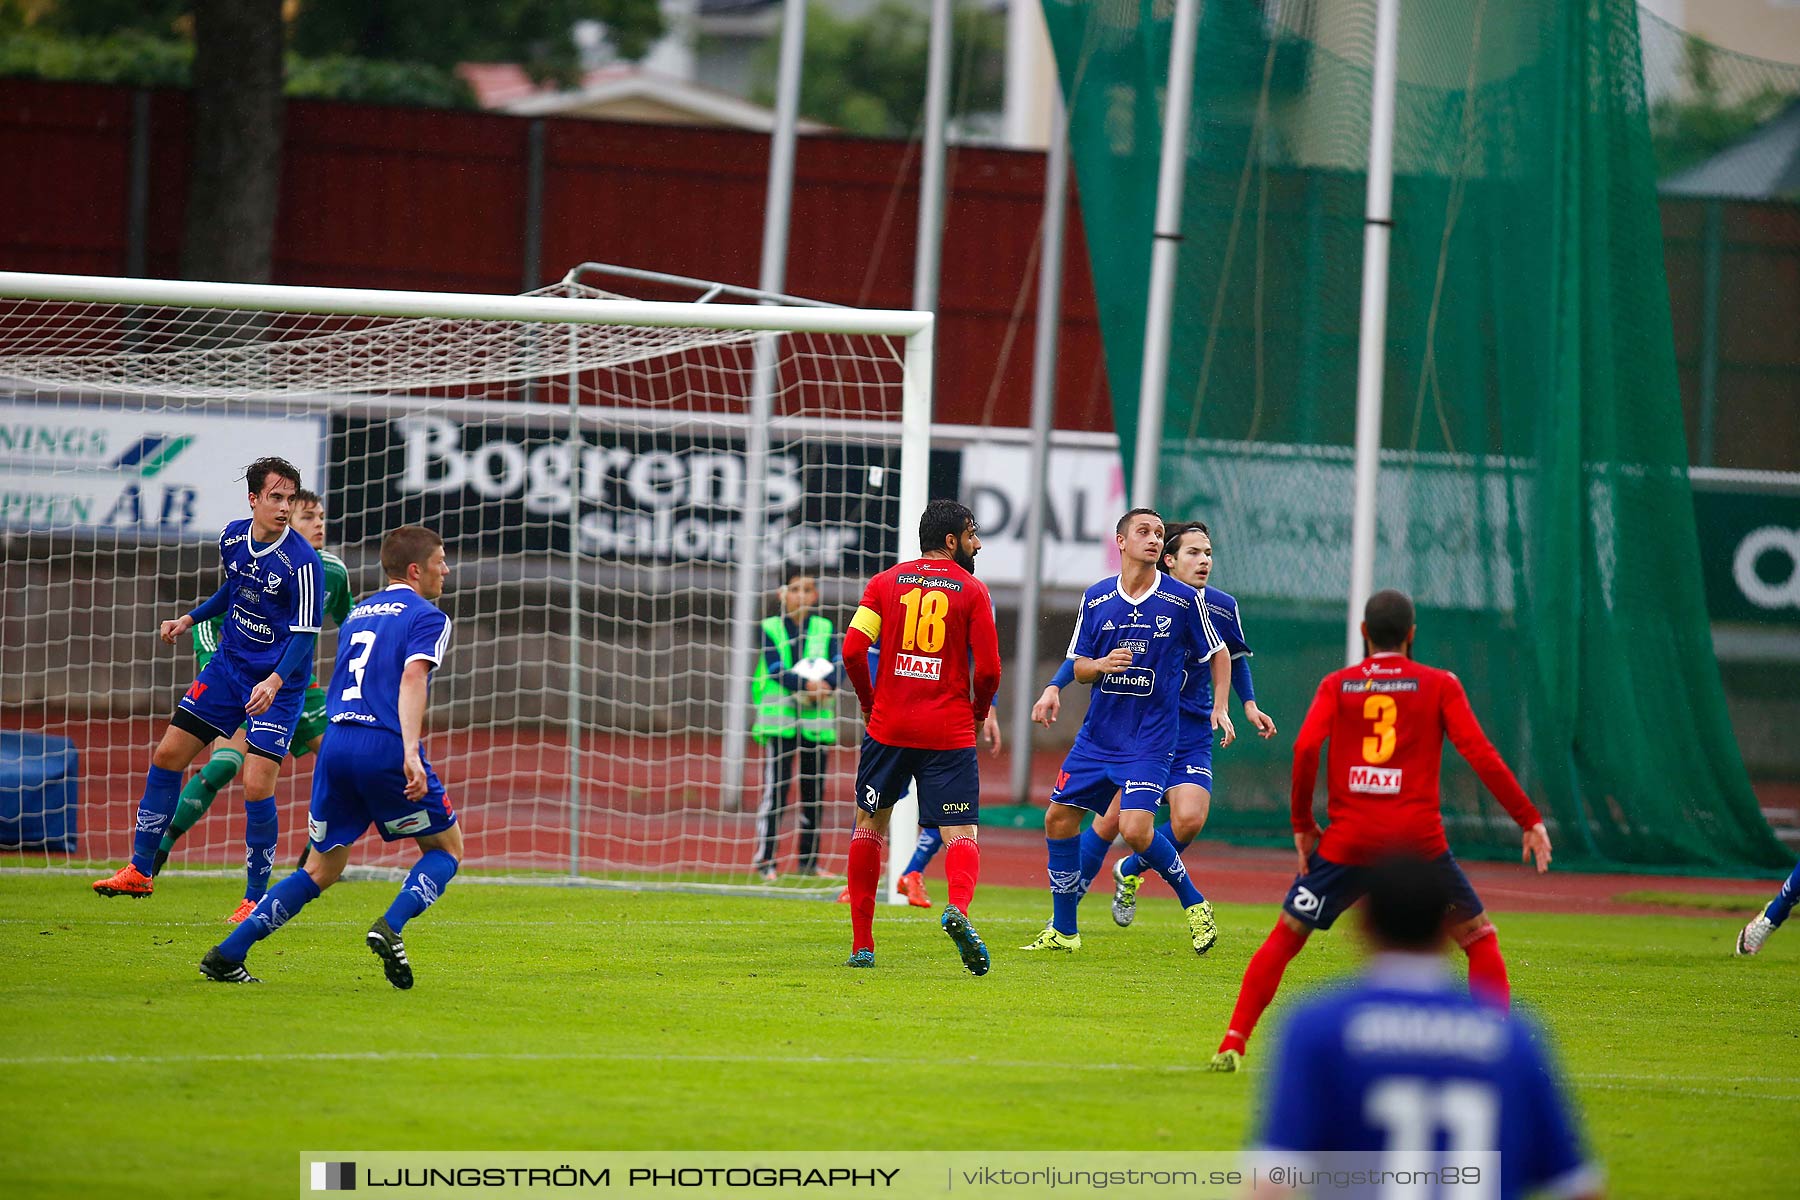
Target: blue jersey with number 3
(1407, 1061)
(382, 634)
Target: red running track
(661, 804)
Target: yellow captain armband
(867, 622)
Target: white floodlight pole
(1371, 362)
(1164, 249)
(903, 821)
(1043, 412)
(928, 253)
(747, 587)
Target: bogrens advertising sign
(505, 487)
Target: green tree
(383, 51)
(867, 75)
(443, 33)
(1688, 130)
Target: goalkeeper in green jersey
(308, 520)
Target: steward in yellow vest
(795, 721)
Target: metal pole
(1712, 259)
(1164, 248)
(747, 586)
(534, 206)
(1371, 363)
(929, 251)
(531, 256)
(1043, 413)
(903, 820)
(137, 187)
(575, 658)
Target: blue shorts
(1320, 896)
(949, 783)
(1090, 783)
(1192, 762)
(215, 702)
(360, 778)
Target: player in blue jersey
(1187, 554)
(372, 768)
(1751, 937)
(1406, 1066)
(273, 599)
(1135, 636)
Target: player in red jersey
(936, 625)
(1386, 718)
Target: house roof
(619, 92)
(1764, 165)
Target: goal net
(621, 485)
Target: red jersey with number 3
(1386, 718)
(939, 651)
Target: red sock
(1261, 978)
(866, 847)
(1487, 971)
(962, 867)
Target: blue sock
(1093, 856)
(260, 832)
(1784, 900)
(1065, 882)
(1165, 860)
(273, 911)
(162, 792)
(930, 842)
(1135, 864)
(429, 877)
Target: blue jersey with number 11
(1407, 1064)
(381, 636)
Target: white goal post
(619, 481)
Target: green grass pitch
(577, 1019)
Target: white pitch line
(1732, 1093)
(1602, 1081)
(377, 1056)
(72, 925)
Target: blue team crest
(1163, 623)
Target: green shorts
(312, 721)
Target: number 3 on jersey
(925, 612)
(1379, 746)
(363, 641)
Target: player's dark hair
(405, 546)
(257, 473)
(1406, 903)
(307, 496)
(1136, 512)
(943, 519)
(1172, 540)
(794, 570)
(1389, 616)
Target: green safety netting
(1534, 497)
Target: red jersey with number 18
(935, 622)
(1386, 718)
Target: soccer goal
(621, 484)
